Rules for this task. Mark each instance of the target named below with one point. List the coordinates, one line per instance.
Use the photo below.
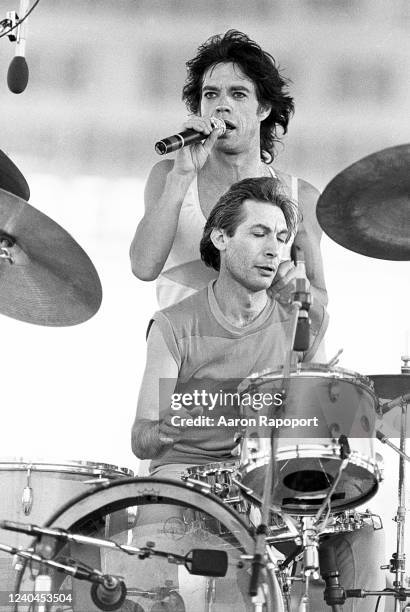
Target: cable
(20, 21)
(377, 603)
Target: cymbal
(11, 178)
(45, 276)
(390, 386)
(366, 207)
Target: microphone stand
(397, 564)
(271, 475)
(72, 570)
(195, 561)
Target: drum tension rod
(6, 242)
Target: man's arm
(149, 434)
(165, 191)
(308, 239)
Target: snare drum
(33, 489)
(343, 403)
(166, 516)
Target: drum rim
(302, 369)
(319, 370)
(149, 483)
(65, 465)
(332, 453)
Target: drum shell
(344, 404)
(52, 485)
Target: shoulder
(186, 313)
(307, 193)
(307, 197)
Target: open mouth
(229, 126)
(267, 269)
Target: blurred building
(106, 78)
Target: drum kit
(229, 536)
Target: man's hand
(284, 284)
(190, 159)
(150, 438)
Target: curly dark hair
(259, 66)
(227, 213)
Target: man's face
(252, 255)
(229, 94)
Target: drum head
(168, 516)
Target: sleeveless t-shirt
(184, 272)
(214, 356)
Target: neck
(237, 303)
(233, 167)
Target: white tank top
(184, 272)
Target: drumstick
(334, 359)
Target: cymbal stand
(398, 561)
(397, 564)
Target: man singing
(234, 79)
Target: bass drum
(172, 517)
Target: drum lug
(27, 500)
(334, 391)
(27, 496)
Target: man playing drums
(230, 330)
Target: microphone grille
(17, 74)
(218, 124)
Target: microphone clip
(11, 23)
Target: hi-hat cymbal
(390, 386)
(11, 178)
(366, 207)
(45, 276)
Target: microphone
(17, 74)
(109, 594)
(187, 137)
(334, 594)
(207, 562)
(302, 295)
